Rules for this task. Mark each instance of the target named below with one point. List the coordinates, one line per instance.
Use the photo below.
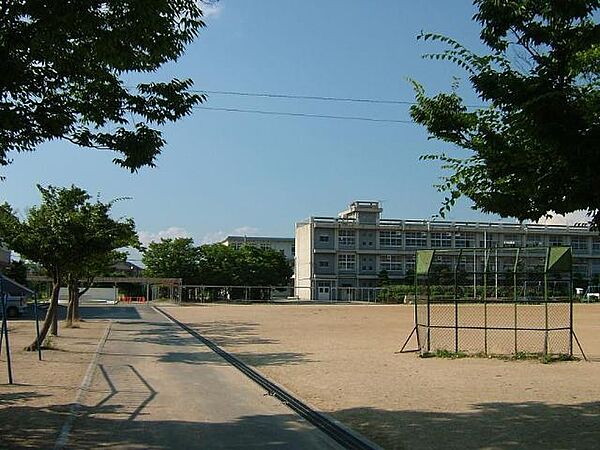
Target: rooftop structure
(282, 244)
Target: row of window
(347, 262)
(418, 239)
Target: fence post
(571, 313)
(546, 302)
(455, 293)
(486, 258)
(515, 297)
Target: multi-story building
(281, 244)
(351, 250)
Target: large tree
(534, 147)
(64, 71)
(65, 232)
(172, 258)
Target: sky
(227, 173)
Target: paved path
(156, 387)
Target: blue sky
(223, 172)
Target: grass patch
(441, 353)
(519, 356)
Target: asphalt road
(156, 387)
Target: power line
(292, 114)
(314, 97)
(307, 97)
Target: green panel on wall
(559, 259)
(424, 258)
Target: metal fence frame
(557, 265)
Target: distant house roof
(11, 287)
(256, 238)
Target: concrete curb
(63, 437)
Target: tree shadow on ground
(230, 332)
(253, 359)
(531, 425)
(91, 431)
(173, 337)
(222, 333)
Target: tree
(383, 278)
(63, 234)
(16, 270)
(172, 258)
(95, 251)
(63, 68)
(534, 148)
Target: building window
(346, 238)
(535, 241)
(596, 246)
(579, 244)
(265, 245)
(555, 241)
(346, 261)
(323, 238)
(511, 240)
(390, 262)
(442, 239)
(491, 240)
(390, 238)
(463, 240)
(581, 269)
(323, 263)
(410, 264)
(416, 239)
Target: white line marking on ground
(63, 437)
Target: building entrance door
(323, 293)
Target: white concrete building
(349, 251)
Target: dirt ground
(342, 359)
(34, 408)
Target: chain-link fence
(508, 301)
(327, 294)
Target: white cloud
(172, 232)
(567, 219)
(216, 236)
(211, 8)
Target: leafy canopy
(67, 233)
(535, 147)
(63, 70)
(216, 264)
(172, 258)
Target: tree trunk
(54, 327)
(76, 316)
(71, 306)
(50, 317)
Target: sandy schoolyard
(35, 407)
(342, 359)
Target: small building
(127, 269)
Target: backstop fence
(501, 301)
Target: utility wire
(308, 97)
(314, 97)
(292, 114)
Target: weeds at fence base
(519, 356)
(445, 354)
